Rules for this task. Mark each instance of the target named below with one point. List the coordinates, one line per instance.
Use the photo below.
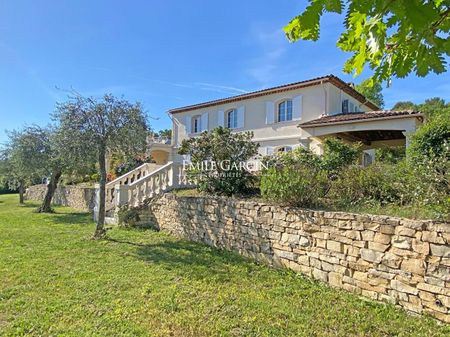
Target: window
(345, 106)
(232, 119)
(196, 124)
(285, 111)
(284, 149)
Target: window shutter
(240, 117)
(220, 118)
(351, 107)
(270, 112)
(297, 108)
(204, 122)
(345, 106)
(187, 123)
(269, 150)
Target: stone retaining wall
(395, 260)
(77, 197)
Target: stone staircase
(144, 182)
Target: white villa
(292, 115)
(281, 119)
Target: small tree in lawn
(224, 151)
(90, 127)
(56, 163)
(25, 157)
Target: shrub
(294, 185)
(429, 140)
(390, 155)
(378, 183)
(338, 154)
(216, 159)
(295, 178)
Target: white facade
(273, 117)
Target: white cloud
(273, 46)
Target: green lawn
(55, 281)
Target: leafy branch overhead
(392, 37)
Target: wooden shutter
(270, 112)
(297, 108)
(187, 124)
(241, 117)
(204, 122)
(220, 118)
(345, 106)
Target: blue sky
(163, 53)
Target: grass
(56, 281)
(405, 211)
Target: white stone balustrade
(144, 182)
(127, 179)
(163, 179)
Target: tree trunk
(46, 206)
(21, 192)
(100, 228)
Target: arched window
(284, 111)
(196, 124)
(232, 119)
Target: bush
(429, 140)
(390, 155)
(216, 159)
(294, 185)
(379, 183)
(338, 154)
(296, 178)
(302, 178)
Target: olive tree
(90, 128)
(25, 157)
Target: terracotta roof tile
(360, 116)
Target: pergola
(374, 129)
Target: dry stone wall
(77, 197)
(400, 261)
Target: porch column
(407, 135)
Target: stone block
(304, 241)
(440, 250)
(382, 238)
(371, 255)
(320, 275)
(335, 279)
(401, 242)
(303, 260)
(405, 231)
(367, 235)
(421, 247)
(415, 266)
(378, 246)
(335, 246)
(403, 287)
(391, 260)
(433, 237)
(387, 229)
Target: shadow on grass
(72, 218)
(194, 259)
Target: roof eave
(418, 115)
(336, 81)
